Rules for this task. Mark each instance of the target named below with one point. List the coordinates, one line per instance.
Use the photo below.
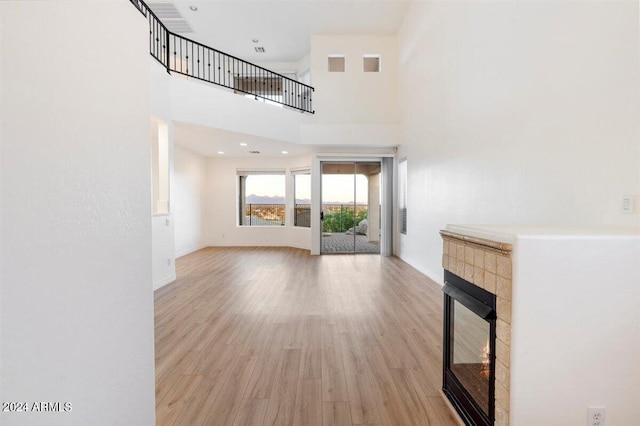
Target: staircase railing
(184, 56)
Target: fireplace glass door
(470, 354)
(469, 350)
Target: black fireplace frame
(483, 304)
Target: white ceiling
(209, 141)
(284, 28)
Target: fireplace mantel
(566, 287)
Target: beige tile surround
(487, 264)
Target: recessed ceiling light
(193, 8)
(255, 40)
(221, 152)
(285, 152)
(243, 144)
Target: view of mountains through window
(265, 198)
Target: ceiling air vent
(259, 49)
(170, 17)
(254, 152)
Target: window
(371, 63)
(302, 198)
(336, 63)
(402, 199)
(261, 199)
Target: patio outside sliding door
(350, 202)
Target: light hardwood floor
(274, 336)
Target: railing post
(168, 52)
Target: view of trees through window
(343, 207)
(340, 217)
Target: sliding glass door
(350, 207)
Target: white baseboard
(257, 244)
(425, 271)
(161, 283)
(190, 250)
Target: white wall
(353, 107)
(77, 300)
(222, 202)
(354, 96)
(575, 330)
(189, 200)
(517, 112)
(209, 105)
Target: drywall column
(75, 264)
(188, 200)
(374, 208)
(163, 232)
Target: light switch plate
(626, 204)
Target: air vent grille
(254, 152)
(259, 49)
(178, 26)
(170, 17)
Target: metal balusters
(189, 59)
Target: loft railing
(181, 55)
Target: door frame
(356, 190)
(316, 193)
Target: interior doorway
(350, 207)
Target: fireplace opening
(469, 350)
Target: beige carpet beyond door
(274, 336)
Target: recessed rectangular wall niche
(371, 63)
(160, 165)
(336, 63)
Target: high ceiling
(284, 28)
(210, 142)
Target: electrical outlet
(168, 262)
(595, 416)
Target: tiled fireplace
(477, 332)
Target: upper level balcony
(195, 60)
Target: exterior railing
(336, 217)
(187, 57)
(302, 215)
(264, 215)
